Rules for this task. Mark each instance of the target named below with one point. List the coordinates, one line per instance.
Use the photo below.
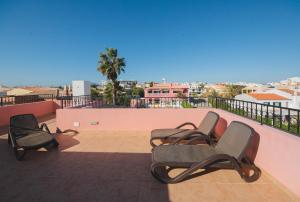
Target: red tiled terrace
(115, 166)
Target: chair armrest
(186, 136)
(210, 161)
(187, 123)
(44, 126)
(11, 140)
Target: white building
(292, 95)
(265, 98)
(80, 88)
(127, 85)
(3, 90)
(195, 88)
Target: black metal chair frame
(160, 170)
(191, 136)
(16, 148)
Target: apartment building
(265, 98)
(165, 94)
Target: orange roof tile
(288, 91)
(267, 96)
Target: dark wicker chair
(26, 134)
(229, 153)
(204, 132)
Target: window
(165, 91)
(156, 91)
(277, 104)
(149, 91)
(176, 91)
(267, 103)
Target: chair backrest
(209, 122)
(22, 125)
(235, 140)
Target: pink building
(165, 94)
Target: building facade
(166, 94)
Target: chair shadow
(66, 139)
(79, 176)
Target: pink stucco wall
(278, 152)
(36, 108)
(126, 119)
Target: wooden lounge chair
(26, 134)
(202, 132)
(229, 153)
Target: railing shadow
(78, 176)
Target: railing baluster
(273, 116)
(261, 114)
(267, 115)
(280, 117)
(298, 122)
(289, 119)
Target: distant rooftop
(292, 92)
(267, 96)
(168, 85)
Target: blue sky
(54, 42)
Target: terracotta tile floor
(114, 166)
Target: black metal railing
(283, 118)
(171, 102)
(21, 99)
(132, 102)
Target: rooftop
(292, 92)
(168, 85)
(267, 96)
(114, 166)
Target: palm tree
(108, 95)
(111, 66)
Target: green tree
(94, 92)
(111, 66)
(210, 93)
(233, 90)
(137, 92)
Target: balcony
(106, 156)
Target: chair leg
(247, 168)
(55, 143)
(9, 140)
(19, 155)
(161, 173)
